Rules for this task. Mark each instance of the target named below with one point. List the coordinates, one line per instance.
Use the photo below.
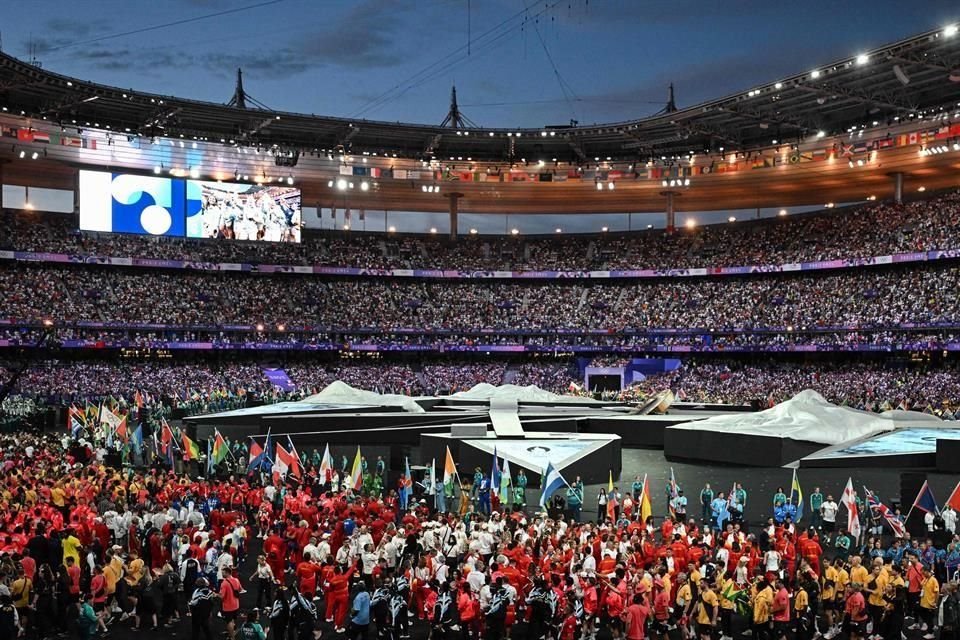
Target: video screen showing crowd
(261, 541)
(247, 212)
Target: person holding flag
(552, 482)
(849, 500)
(926, 503)
(796, 497)
(494, 484)
(450, 478)
(356, 473)
(950, 508)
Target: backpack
(249, 632)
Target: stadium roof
(889, 88)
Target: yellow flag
(356, 473)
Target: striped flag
(899, 530)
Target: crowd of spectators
(872, 230)
(868, 386)
(877, 297)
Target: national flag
(739, 597)
(610, 483)
(674, 494)
(796, 496)
(612, 504)
(505, 482)
(431, 486)
(209, 458)
(41, 136)
(646, 508)
(138, 399)
(849, 499)
(296, 469)
(166, 436)
(218, 450)
(495, 472)
(256, 453)
(74, 414)
(925, 500)
(326, 463)
(356, 473)
(261, 456)
(191, 449)
(285, 463)
(121, 429)
(449, 472)
(552, 481)
(954, 499)
(880, 509)
(137, 438)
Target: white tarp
(531, 393)
(341, 393)
(808, 417)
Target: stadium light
(514, 232)
(392, 229)
(158, 168)
(732, 219)
(34, 155)
(782, 212)
(433, 229)
(558, 230)
(194, 173)
(778, 85)
(921, 189)
(423, 188)
(950, 30)
(364, 186)
(330, 183)
(23, 154)
(290, 179)
(346, 227)
(815, 74)
(604, 229)
(259, 327)
(649, 226)
(47, 322)
(863, 59)
(691, 223)
(473, 232)
(611, 186)
(342, 184)
(599, 186)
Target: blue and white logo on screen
(124, 203)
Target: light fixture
(778, 85)
(691, 223)
(346, 227)
(290, 179)
(392, 229)
(280, 327)
(558, 230)
(423, 188)
(921, 189)
(433, 229)
(259, 327)
(34, 155)
(820, 134)
(950, 30)
(863, 59)
(732, 219)
(782, 212)
(330, 183)
(158, 168)
(194, 173)
(514, 232)
(815, 74)
(829, 205)
(364, 186)
(342, 184)
(649, 226)
(604, 229)
(610, 186)
(599, 186)
(473, 232)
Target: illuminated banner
(162, 206)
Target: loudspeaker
(910, 484)
(948, 456)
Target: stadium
(451, 380)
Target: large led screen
(124, 203)
(243, 212)
(162, 206)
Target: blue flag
(925, 500)
(495, 473)
(552, 481)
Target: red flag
(166, 437)
(954, 499)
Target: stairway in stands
(510, 374)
